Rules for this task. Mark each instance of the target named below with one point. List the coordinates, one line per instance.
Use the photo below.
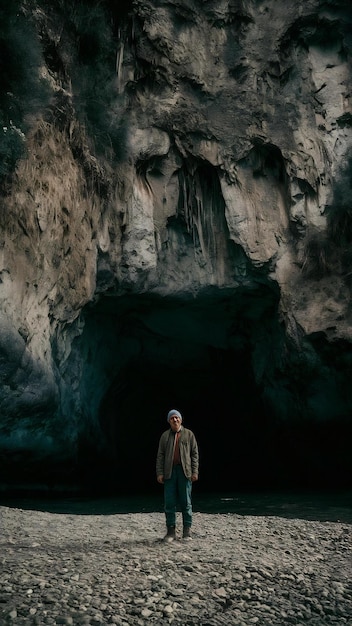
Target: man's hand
(194, 477)
(160, 479)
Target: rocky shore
(87, 568)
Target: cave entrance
(194, 355)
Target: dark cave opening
(202, 356)
(217, 402)
(218, 358)
(193, 354)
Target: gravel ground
(96, 569)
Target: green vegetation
(76, 43)
(97, 30)
(22, 90)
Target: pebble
(113, 570)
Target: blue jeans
(178, 490)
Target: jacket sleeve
(194, 455)
(160, 457)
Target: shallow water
(322, 506)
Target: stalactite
(201, 205)
(119, 62)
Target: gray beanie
(173, 412)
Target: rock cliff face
(176, 230)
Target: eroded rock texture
(176, 227)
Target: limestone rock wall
(181, 146)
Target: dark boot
(187, 533)
(171, 534)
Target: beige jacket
(188, 453)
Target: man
(177, 468)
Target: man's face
(175, 423)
